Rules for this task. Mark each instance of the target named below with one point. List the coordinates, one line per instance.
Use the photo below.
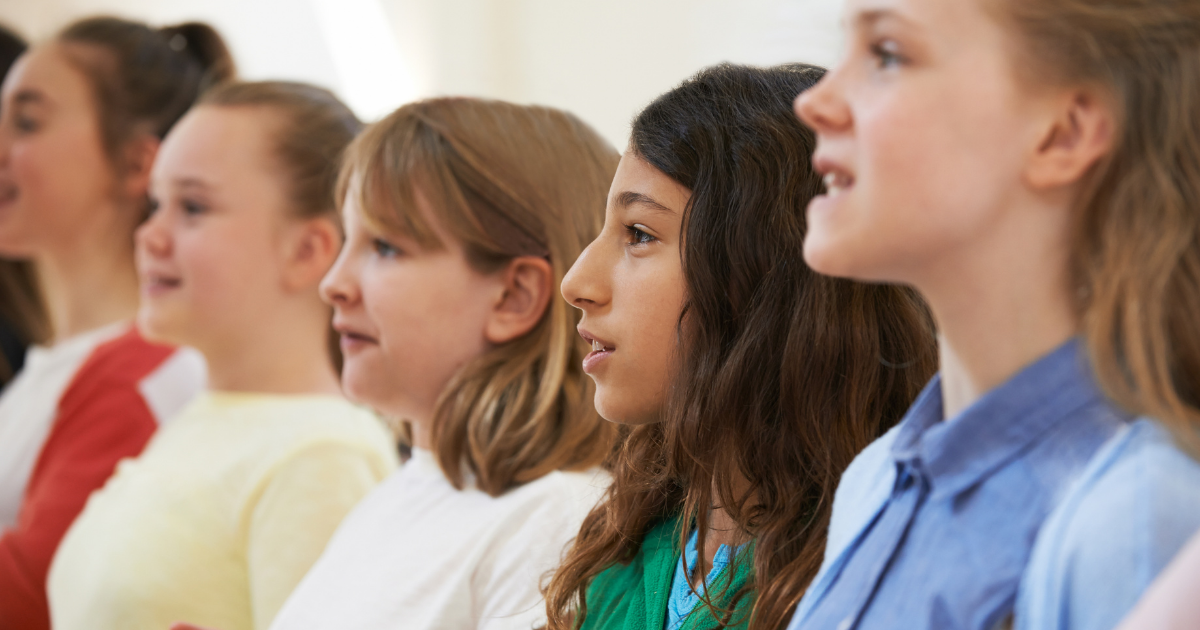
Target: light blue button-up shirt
(935, 523)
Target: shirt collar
(997, 427)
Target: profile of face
(222, 250)
(410, 317)
(924, 138)
(629, 284)
(54, 171)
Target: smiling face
(629, 285)
(54, 172)
(923, 131)
(209, 257)
(409, 318)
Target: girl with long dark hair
(746, 381)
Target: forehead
(217, 143)
(947, 17)
(638, 176)
(47, 70)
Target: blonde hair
(506, 181)
(1136, 251)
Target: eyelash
(638, 236)
(25, 125)
(192, 208)
(385, 249)
(885, 55)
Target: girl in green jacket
(746, 382)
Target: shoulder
(864, 486)
(1135, 506)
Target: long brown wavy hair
(506, 180)
(785, 375)
(1136, 252)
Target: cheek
(929, 178)
(61, 177)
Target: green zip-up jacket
(634, 596)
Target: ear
(1080, 134)
(138, 157)
(311, 248)
(528, 284)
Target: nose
(340, 285)
(584, 284)
(153, 237)
(823, 107)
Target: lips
(8, 192)
(837, 178)
(352, 338)
(154, 284)
(600, 350)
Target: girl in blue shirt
(1032, 168)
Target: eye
(152, 205)
(25, 124)
(638, 235)
(385, 249)
(192, 207)
(886, 54)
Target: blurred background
(601, 59)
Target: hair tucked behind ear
(506, 181)
(309, 131)
(785, 375)
(1136, 254)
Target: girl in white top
(232, 502)
(461, 217)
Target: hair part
(785, 376)
(1135, 255)
(505, 180)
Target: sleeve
(92, 433)
(524, 551)
(302, 504)
(1104, 546)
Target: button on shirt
(934, 523)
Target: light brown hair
(309, 130)
(506, 181)
(1135, 256)
(785, 375)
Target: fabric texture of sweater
(218, 520)
(76, 410)
(634, 596)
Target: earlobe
(528, 286)
(1079, 137)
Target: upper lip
(593, 339)
(346, 330)
(159, 276)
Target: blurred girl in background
(748, 381)
(81, 119)
(1032, 167)
(22, 320)
(233, 501)
(461, 217)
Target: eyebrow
(28, 96)
(629, 198)
(871, 17)
(191, 182)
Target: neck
(999, 308)
(288, 355)
(89, 284)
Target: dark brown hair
(1136, 251)
(785, 375)
(505, 180)
(309, 129)
(143, 79)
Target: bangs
(383, 169)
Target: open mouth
(600, 351)
(836, 182)
(156, 285)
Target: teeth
(596, 347)
(833, 184)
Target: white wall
(602, 60)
